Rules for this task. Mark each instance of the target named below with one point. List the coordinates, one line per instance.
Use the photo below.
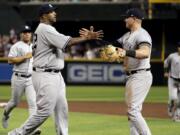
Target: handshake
(112, 54)
(107, 53)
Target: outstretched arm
(84, 32)
(85, 35)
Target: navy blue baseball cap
(25, 28)
(45, 9)
(134, 12)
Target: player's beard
(128, 26)
(52, 20)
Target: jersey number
(34, 43)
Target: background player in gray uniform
(172, 71)
(48, 54)
(136, 52)
(20, 56)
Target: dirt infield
(118, 108)
(156, 110)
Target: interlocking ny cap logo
(26, 27)
(50, 5)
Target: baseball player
(48, 53)
(135, 47)
(136, 50)
(172, 71)
(20, 56)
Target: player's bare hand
(121, 52)
(91, 34)
(28, 55)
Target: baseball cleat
(13, 132)
(2, 105)
(170, 113)
(171, 109)
(36, 132)
(176, 118)
(10, 133)
(5, 120)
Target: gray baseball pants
(137, 88)
(19, 86)
(51, 98)
(174, 96)
(173, 87)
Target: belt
(22, 75)
(136, 71)
(46, 70)
(176, 79)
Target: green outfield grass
(111, 93)
(94, 124)
(100, 93)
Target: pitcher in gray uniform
(48, 54)
(20, 56)
(172, 71)
(136, 51)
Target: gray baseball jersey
(48, 45)
(138, 83)
(48, 52)
(131, 41)
(21, 81)
(20, 49)
(173, 62)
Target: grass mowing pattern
(100, 93)
(94, 124)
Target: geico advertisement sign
(95, 73)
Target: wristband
(131, 53)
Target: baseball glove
(109, 53)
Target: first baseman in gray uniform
(48, 54)
(172, 71)
(136, 52)
(20, 56)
